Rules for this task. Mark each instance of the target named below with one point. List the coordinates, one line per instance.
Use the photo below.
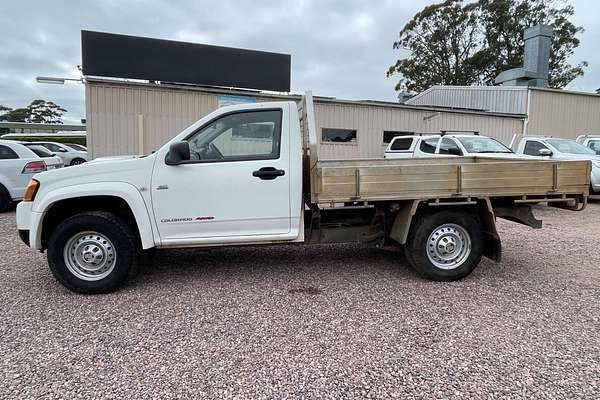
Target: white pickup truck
(250, 174)
(447, 145)
(561, 149)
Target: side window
(53, 147)
(532, 148)
(429, 145)
(594, 145)
(402, 144)
(449, 147)
(6, 153)
(338, 135)
(253, 135)
(388, 136)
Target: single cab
(250, 174)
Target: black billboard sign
(133, 57)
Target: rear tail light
(33, 167)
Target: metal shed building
(559, 113)
(125, 117)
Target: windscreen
(570, 146)
(478, 144)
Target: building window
(338, 135)
(389, 135)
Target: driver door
(236, 184)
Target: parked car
(590, 141)
(208, 187)
(18, 163)
(444, 145)
(69, 155)
(561, 149)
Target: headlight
(31, 190)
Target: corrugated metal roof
(497, 99)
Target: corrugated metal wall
(117, 114)
(502, 99)
(563, 114)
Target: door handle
(268, 173)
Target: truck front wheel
(93, 252)
(445, 245)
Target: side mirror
(178, 153)
(545, 152)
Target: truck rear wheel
(446, 245)
(93, 252)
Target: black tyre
(93, 252)
(445, 245)
(4, 199)
(77, 161)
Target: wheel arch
(482, 208)
(119, 198)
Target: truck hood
(512, 156)
(112, 158)
(129, 169)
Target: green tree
(40, 111)
(452, 43)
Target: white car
(18, 164)
(591, 141)
(562, 149)
(69, 155)
(445, 145)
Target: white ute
(250, 174)
(447, 145)
(561, 149)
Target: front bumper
(28, 224)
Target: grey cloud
(339, 48)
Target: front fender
(123, 190)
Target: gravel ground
(308, 322)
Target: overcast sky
(339, 48)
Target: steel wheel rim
(90, 256)
(448, 246)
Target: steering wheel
(209, 152)
(214, 152)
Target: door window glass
(594, 145)
(429, 145)
(449, 147)
(253, 135)
(533, 148)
